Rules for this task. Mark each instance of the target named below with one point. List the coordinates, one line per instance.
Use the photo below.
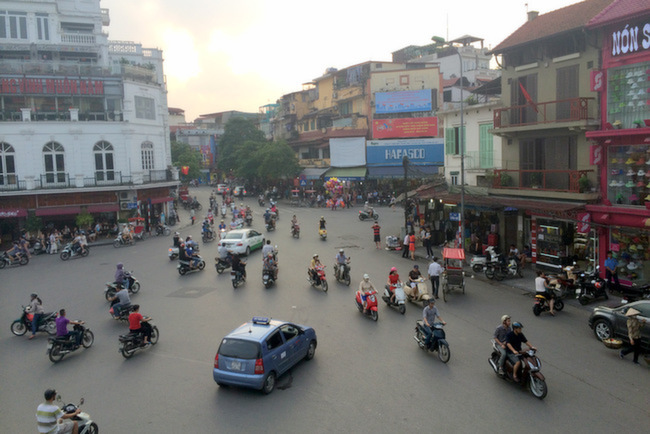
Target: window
(520, 88)
(147, 155)
(13, 25)
(454, 180)
(53, 155)
(274, 341)
(567, 83)
(104, 169)
(627, 95)
(404, 80)
(42, 27)
(486, 146)
(7, 166)
(145, 108)
(452, 140)
(289, 331)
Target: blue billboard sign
(419, 152)
(403, 102)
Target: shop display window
(628, 175)
(628, 95)
(549, 244)
(631, 247)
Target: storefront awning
(346, 173)
(104, 207)
(379, 172)
(13, 212)
(314, 172)
(58, 210)
(619, 216)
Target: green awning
(346, 173)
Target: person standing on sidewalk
(634, 326)
(192, 215)
(375, 231)
(428, 242)
(610, 272)
(412, 245)
(434, 272)
(405, 248)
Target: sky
(242, 54)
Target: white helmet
(315, 255)
(366, 277)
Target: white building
(83, 120)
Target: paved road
(366, 376)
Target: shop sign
(583, 226)
(9, 213)
(454, 216)
(50, 86)
(405, 127)
(630, 39)
(597, 81)
(595, 155)
(418, 151)
(403, 102)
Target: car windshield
(234, 236)
(239, 349)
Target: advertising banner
(28, 85)
(403, 102)
(348, 152)
(405, 127)
(418, 151)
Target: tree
(277, 160)
(184, 155)
(237, 132)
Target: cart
(139, 232)
(453, 277)
(295, 198)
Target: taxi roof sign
(261, 320)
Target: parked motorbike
(479, 262)
(184, 266)
(134, 341)
(68, 252)
(19, 260)
(368, 215)
(268, 278)
(162, 230)
(111, 287)
(371, 304)
(543, 305)
(237, 278)
(422, 297)
(438, 340)
(85, 424)
(222, 264)
(322, 233)
(119, 241)
(59, 346)
(38, 248)
(591, 286)
(46, 323)
(295, 231)
(321, 281)
(342, 272)
(501, 269)
(400, 298)
(531, 375)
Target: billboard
(403, 102)
(405, 127)
(348, 152)
(419, 152)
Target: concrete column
(79, 181)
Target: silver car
(611, 322)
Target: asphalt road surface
(365, 377)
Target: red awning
(161, 199)
(104, 207)
(13, 212)
(450, 253)
(58, 210)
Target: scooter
(134, 341)
(5, 260)
(249, 220)
(124, 311)
(184, 266)
(400, 298)
(59, 346)
(371, 304)
(162, 230)
(85, 424)
(479, 262)
(635, 293)
(119, 241)
(321, 282)
(368, 215)
(438, 340)
(591, 286)
(68, 252)
(268, 278)
(38, 248)
(270, 225)
(543, 305)
(342, 272)
(295, 231)
(322, 233)
(392, 243)
(208, 236)
(237, 278)
(222, 265)
(422, 296)
(260, 201)
(531, 374)
(501, 269)
(46, 323)
(111, 287)
(172, 252)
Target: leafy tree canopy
(184, 155)
(237, 132)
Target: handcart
(139, 232)
(295, 198)
(453, 277)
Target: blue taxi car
(256, 353)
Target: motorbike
(20, 260)
(591, 286)
(119, 241)
(124, 312)
(222, 264)
(38, 248)
(111, 287)
(248, 220)
(368, 215)
(268, 278)
(531, 374)
(68, 252)
(543, 305)
(400, 298)
(172, 252)
(162, 230)
(85, 424)
(132, 342)
(479, 262)
(46, 323)
(422, 297)
(342, 272)
(438, 340)
(59, 346)
(184, 266)
(270, 225)
(322, 233)
(635, 293)
(237, 278)
(295, 231)
(371, 304)
(207, 236)
(501, 269)
(260, 201)
(321, 282)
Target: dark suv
(608, 322)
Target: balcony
(569, 112)
(101, 178)
(542, 181)
(60, 115)
(78, 38)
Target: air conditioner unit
(124, 206)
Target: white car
(239, 191)
(243, 241)
(222, 188)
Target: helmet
(176, 233)
(322, 218)
(416, 266)
(340, 250)
(393, 269)
(517, 325)
(34, 295)
(189, 237)
(504, 318)
(267, 210)
(49, 394)
(120, 265)
(366, 277)
(315, 255)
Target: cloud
(180, 54)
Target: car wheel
(603, 329)
(311, 350)
(87, 339)
(18, 328)
(135, 287)
(269, 383)
(248, 250)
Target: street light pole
(405, 164)
(461, 136)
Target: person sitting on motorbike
(239, 265)
(267, 216)
(270, 263)
(321, 223)
(177, 239)
(121, 276)
(514, 339)
(542, 288)
(429, 315)
(499, 336)
(123, 300)
(76, 242)
(24, 246)
(414, 276)
(274, 208)
(294, 222)
(36, 308)
(367, 208)
(341, 262)
(15, 252)
(268, 248)
(139, 324)
(224, 253)
(193, 256)
(51, 419)
(365, 287)
(222, 226)
(190, 242)
(315, 263)
(62, 328)
(393, 280)
(127, 236)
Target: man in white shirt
(405, 248)
(51, 419)
(434, 275)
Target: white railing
(124, 47)
(77, 38)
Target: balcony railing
(55, 180)
(77, 38)
(60, 115)
(548, 180)
(62, 180)
(11, 182)
(157, 176)
(566, 110)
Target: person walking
(634, 325)
(611, 274)
(192, 215)
(375, 231)
(412, 245)
(405, 247)
(434, 271)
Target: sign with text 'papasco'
(405, 127)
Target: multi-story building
(83, 120)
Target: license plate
(235, 366)
(49, 346)
(233, 276)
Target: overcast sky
(242, 54)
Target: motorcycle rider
(127, 236)
(393, 280)
(269, 218)
(365, 287)
(499, 336)
(121, 276)
(15, 252)
(192, 255)
(51, 419)
(321, 223)
(139, 324)
(36, 308)
(429, 315)
(514, 339)
(341, 262)
(271, 264)
(177, 239)
(205, 228)
(294, 223)
(62, 327)
(268, 248)
(124, 300)
(239, 265)
(315, 262)
(542, 288)
(224, 253)
(414, 276)
(222, 226)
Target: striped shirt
(46, 416)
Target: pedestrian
(434, 271)
(405, 246)
(428, 242)
(634, 325)
(375, 231)
(611, 264)
(412, 245)
(192, 215)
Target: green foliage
(184, 155)
(584, 184)
(84, 220)
(277, 160)
(506, 179)
(237, 132)
(33, 224)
